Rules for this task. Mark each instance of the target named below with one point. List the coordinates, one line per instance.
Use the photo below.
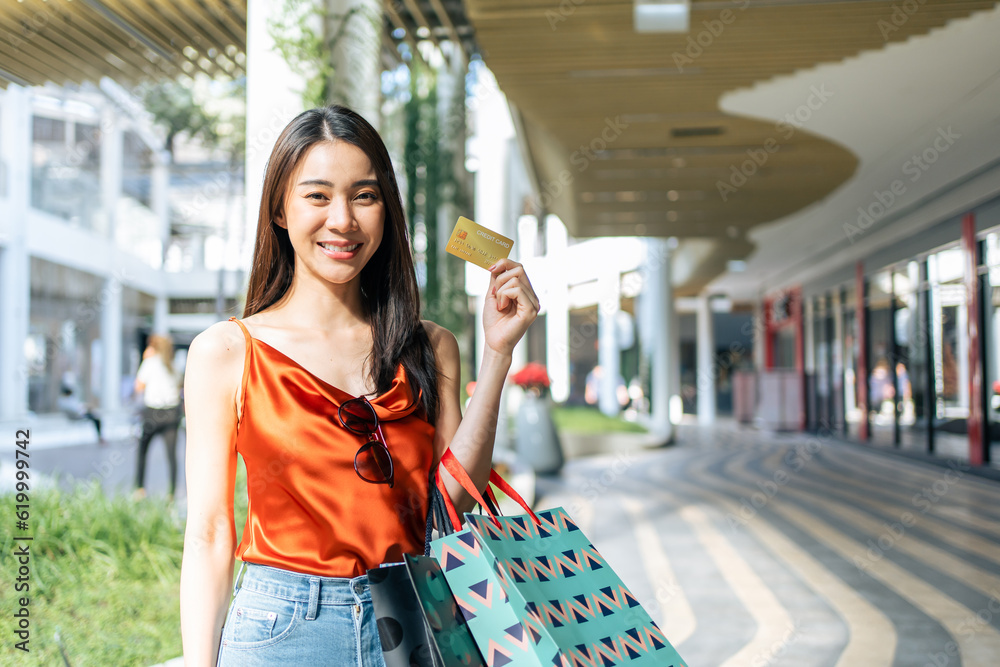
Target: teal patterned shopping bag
(560, 587)
(536, 592)
(483, 602)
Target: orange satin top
(308, 509)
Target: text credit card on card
(474, 243)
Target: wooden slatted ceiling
(570, 67)
(72, 41)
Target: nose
(340, 216)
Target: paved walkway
(759, 549)
(113, 463)
(754, 549)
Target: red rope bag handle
(454, 466)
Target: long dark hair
(389, 292)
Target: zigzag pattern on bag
(476, 581)
(567, 594)
(547, 568)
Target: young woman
(160, 387)
(340, 400)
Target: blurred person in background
(159, 385)
(74, 408)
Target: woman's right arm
(212, 380)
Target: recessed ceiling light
(662, 15)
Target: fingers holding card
(477, 244)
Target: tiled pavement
(752, 549)
(755, 549)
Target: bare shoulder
(442, 339)
(219, 345)
(214, 369)
(446, 353)
(216, 356)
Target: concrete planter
(536, 436)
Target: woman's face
(334, 212)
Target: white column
(706, 362)
(557, 310)
(161, 315)
(160, 204)
(111, 170)
(758, 336)
(355, 28)
(674, 344)
(607, 341)
(658, 322)
(111, 344)
(492, 184)
(273, 99)
(15, 264)
(160, 196)
(838, 335)
(809, 333)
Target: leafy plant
(173, 106)
(306, 35)
(104, 576)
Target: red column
(768, 334)
(975, 363)
(861, 366)
(800, 353)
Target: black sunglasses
(372, 461)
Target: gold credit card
(474, 243)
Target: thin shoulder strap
(246, 366)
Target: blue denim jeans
(279, 617)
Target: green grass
(105, 576)
(590, 420)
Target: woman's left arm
(511, 306)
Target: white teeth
(343, 248)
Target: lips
(340, 247)
(340, 250)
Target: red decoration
(532, 376)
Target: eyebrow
(328, 184)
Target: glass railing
(71, 193)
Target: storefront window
(881, 360)
(66, 171)
(991, 333)
(836, 329)
(64, 324)
(822, 417)
(911, 360)
(65, 347)
(852, 414)
(950, 350)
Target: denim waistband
(304, 587)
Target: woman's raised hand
(511, 306)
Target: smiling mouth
(340, 248)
